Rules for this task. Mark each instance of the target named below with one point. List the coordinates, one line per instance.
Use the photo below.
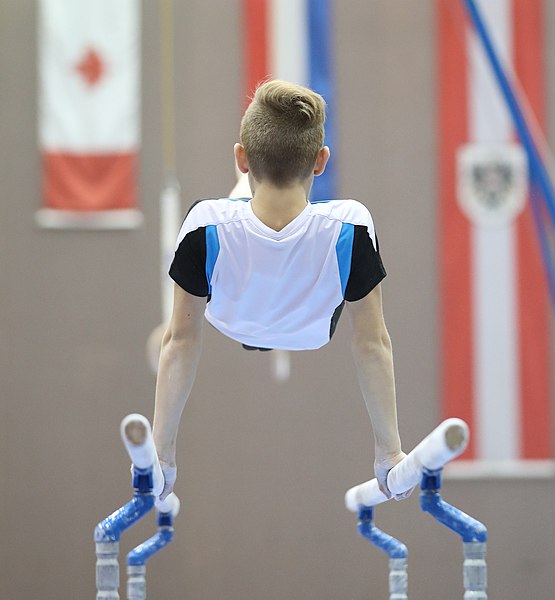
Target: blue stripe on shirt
(212, 251)
(344, 251)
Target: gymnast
(276, 271)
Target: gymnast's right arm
(179, 357)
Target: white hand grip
(139, 443)
(447, 440)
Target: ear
(241, 158)
(321, 161)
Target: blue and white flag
(292, 40)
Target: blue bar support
(431, 502)
(111, 528)
(139, 555)
(136, 559)
(108, 532)
(390, 545)
(396, 550)
(472, 532)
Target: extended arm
(179, 357)
(373, 357)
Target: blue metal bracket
(431, 502)
(111, 528)
(139, 555)
(390, 545)
(108, 532)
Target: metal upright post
(396, 550)
(108, 532)
(472, 532)
(148, 482)
(136, 559)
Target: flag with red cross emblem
(89, 112)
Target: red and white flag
(495, 316)
(89, 112)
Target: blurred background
(263, 464)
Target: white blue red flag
(292, 40)
(89, 112)
(494, 302)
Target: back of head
(282, 131)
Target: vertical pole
(107, 571)
(170, 193)
(170, 219)
(136, 559)
(398, 579)
(136, 582)
(475, 571)
(396, 550)
(108, 532)
(170, 196)
(472, 532)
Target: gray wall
(263, 466)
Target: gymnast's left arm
(373, 357)
(179, 358)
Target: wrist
(388, 449)
(166, 453)
(167, 460)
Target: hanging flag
(494, 300)
(89, 112)
(292, 40)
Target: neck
(277, 207)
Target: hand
(383, 463)
(169, 471)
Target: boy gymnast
(275, 272)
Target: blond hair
(282, 131)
